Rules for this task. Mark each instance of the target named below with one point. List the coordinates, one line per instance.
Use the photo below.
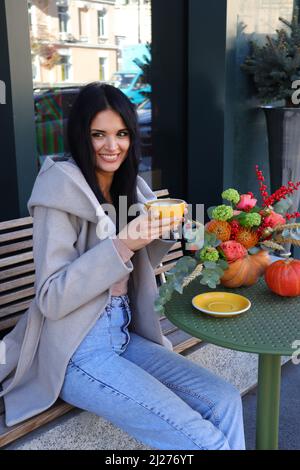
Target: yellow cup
(167, 208)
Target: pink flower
(246, 202)
(274, 219)
(233, 250)
(236, 212)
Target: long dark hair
(92, 99)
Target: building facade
(76, 41)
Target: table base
(268, 401)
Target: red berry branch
(294, 215)
(279, 194)
(262, 186)
(282, 193)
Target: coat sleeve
(64, 279)
(158, 249)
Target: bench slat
(163, 269)
(5, 299)
(10, 321)
(5, 237)
(22, 281)
(11, 433)
(172, 255)
(16, 271)
(13, 247)
(182, 340)
(161, 193)
(176, 246)
(15, 259)
(8, 224)
(18, 307)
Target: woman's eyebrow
(104, 132)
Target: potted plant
(233, 247)
(275, 70)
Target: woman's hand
(145, 228)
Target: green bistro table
(268, 328)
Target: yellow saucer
(221, 304)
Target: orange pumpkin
(246, 271)
(283, 277)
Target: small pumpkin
(246, 271)
(283, 277)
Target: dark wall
(18, 162)
(9, 205)
(169, 84)
(206, 84)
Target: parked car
(52, 107)
(144, 112)
(132, 85)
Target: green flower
(222, 212)
(209, 254)
(231, 195)
(250, 220)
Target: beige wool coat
(75, 270)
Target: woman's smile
(109, 158)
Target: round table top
(270, 326)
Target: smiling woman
(110, 141)
(93, 337)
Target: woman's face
(110, 140)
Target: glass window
(102, 69)
(102, 23)
(65, 68)
(83, 24)
(109, 43)
(63, 18)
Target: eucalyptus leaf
(211, 284)
(282, 206)
(210, 264)
(178, 287)
(222, 264)
(210, 210)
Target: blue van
(132, 85)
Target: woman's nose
(111, 143)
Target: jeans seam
(140, 404)
(196, 395)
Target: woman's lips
(110, 158)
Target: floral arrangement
(237, 228)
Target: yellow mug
(167, 208)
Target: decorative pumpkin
(246, 271)
(283, 277)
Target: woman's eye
(123, 134)
(97, 134)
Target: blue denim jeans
(158, 396)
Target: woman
(91, 335)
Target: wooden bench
(17, 290)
